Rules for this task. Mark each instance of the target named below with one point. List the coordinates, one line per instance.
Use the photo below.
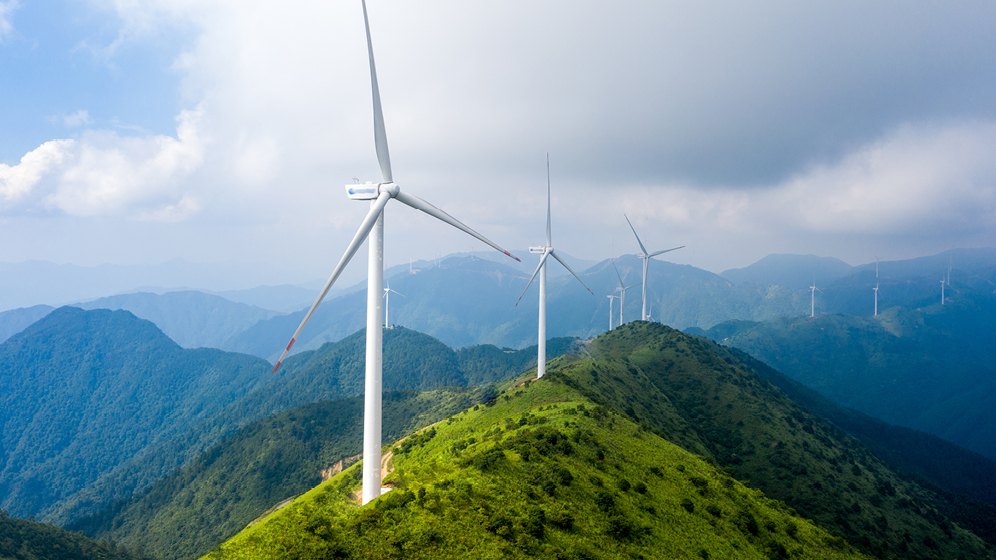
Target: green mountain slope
(701, 396)
(541, 474)
(21, 539)
(930, 369)
(412, 361)
(704, 397)
(961, 478)
(83, 391)
(189, 512)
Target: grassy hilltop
(631, 447)
(543, 472)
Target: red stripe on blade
(289, 344)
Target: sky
(136, 132)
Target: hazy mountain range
(111, 388)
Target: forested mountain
(708, 400)
(192, 319)
(932, 369)
(83, 391)
(583, 462)
(411, 361)
(222, 491)
(21, 539)
(16, 320)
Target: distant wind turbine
(545, 251)
(876, 285)
(387, 302)
(942, 291)
(812, 303)
(646, 256)
(379, 194)
(622, 294)
(611, 297)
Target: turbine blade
(419, 204)
(644, 249)
(399, 293)
(552, 252)
(665, 251)
(549, 241)
(380, 133)
(538, 267)
(361, 235)
(617, 273)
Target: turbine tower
(379, 194)
(387, 302)
(611, 297)
(646, 256)
(812, 303)
(622, 294)
(546, 251)
(942, 291)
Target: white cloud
(17, 181)
(185, 208)
(77, 119)
(715, 126)
(114, 175)
(102, 173)
(6, 10)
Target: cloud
(77, 119)
(102, 174)
(6, 10)
(17, 181)
(185, 208)
(774, 122)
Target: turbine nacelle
(370, 191)
(537, 250)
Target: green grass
(543, 472)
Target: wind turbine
(546, 251)
(379, 194)
(622, 291)
(387, 302)
(876, 286)
(646, 262)
(611, 297)
(812, 311)
(942, 291)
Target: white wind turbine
(379, 194)
(646, 256)
(546, 251)
(622, 294)
(876, 286)
(611, 297)
(942, 291)
(387, 302)
(812, 302)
